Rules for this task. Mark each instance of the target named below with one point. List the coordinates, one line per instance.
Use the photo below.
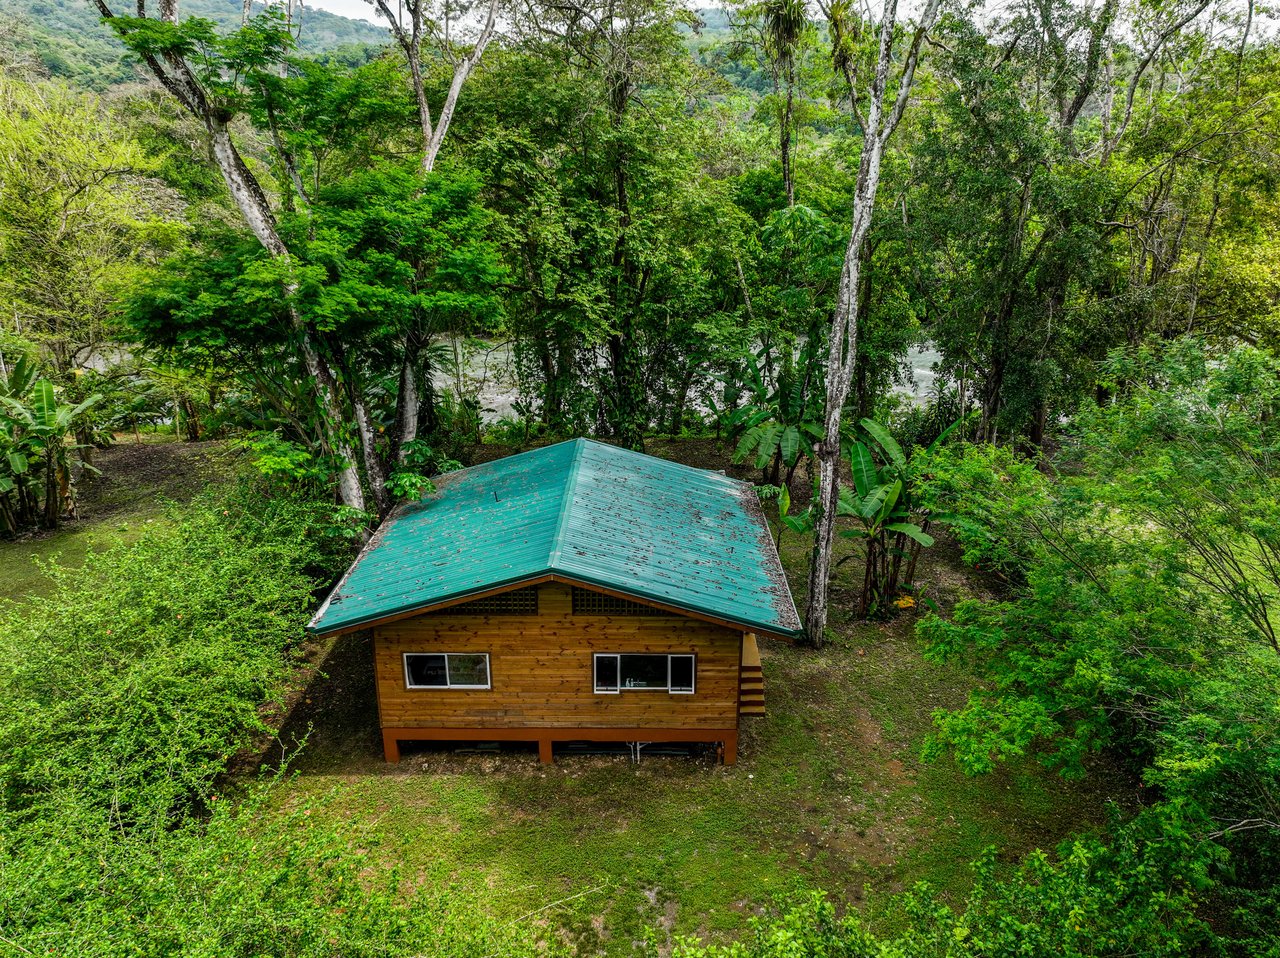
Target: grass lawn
(829, 793)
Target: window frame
(620, 688)
(449, 684)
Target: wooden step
(750, 678)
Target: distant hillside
(715, 22)
(68, 37)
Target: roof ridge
(566, 502)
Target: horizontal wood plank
(541, 670)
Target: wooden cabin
(577, 592)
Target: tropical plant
(1143, 623)
(781, 417)
(36, 484)
(884, 501)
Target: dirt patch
(134, 474)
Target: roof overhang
(410, 611)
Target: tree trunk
(626, 295)
(842, 353)
(373, 470)
(349, 490)
(784, 138)
(255, 209)
(842, 343)
(407, 399)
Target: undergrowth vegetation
(1142, 615)
(1132, 897)
(123, 695)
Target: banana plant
(36, 431)
(882, 501)
(778, 423)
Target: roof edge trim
(750, 490)
(374, 539)
(412, 609)
(552, 575)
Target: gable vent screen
(586, 602)
(516, 602)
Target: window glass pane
(644, 671)
(682, 673)
(606, 672)
(468, 670)
(427, 670)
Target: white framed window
(615, 672)
(446, 670)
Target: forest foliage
(739, 233)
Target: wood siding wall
(541, 670)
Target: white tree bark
(408, 30)
(372, 464)
(880, 121)
(406, 405)
(254, 207)
(461, 71)
(349, 489)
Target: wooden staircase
(751, 678)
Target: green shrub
(253, 880)
(144, 670)
(122, 695)
(993, 500)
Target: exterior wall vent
(587, 602)
(516, 602)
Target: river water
(488, 374)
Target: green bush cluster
(142, 672)
(122, 697)
(248, 879)
(1142, 619)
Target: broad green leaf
(911, 531)
(768, 443)
(19, 413)
(890, 500)
(44, 403)
(784, 501)
(800, 523)
(870, 505)
(18, 463)
(75, 412)
(848, 504)
(942, 436)
(748, 442)
(886, 442)
(789, 444)
(864, 469)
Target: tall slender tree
(410, 23)
(869, 74)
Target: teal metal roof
(584, 511)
